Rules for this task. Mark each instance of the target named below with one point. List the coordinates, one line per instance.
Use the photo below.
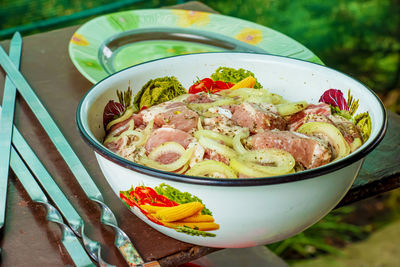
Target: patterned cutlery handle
(69, 240)
(93, 248)
(122, 241)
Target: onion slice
(146, 133)
(167, 147)
(217, 147)
(214, 135)
(269, 161)
(209, 168)
(254, 95)
(237, 143)
(199, 125)
(181, 161)
(127, 114)
(333, 134)
(205, 106)
(242, 167)
(291, 108)
(114, 137)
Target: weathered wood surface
(380, 171)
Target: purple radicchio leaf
(335, 98)
(112, 111)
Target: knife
(6, 122)
(69, 240)
(57, 196)
(122, 241)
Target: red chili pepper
(127, 200)
(222, 85)
(147, 196)
(207, 85)
(166, 201)
(204, 85)
(147, 191)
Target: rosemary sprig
(125, 98)
(352, 104)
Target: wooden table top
(28, 239)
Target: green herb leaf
(157, 91)
(232, 75)
(193, 232)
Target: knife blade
(6, 122)
(69, 240)
(122, 241)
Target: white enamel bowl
(249, 212)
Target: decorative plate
(116, 41)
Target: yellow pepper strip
(198, 218)
(180, 212)
(152, 209)
(247, 82)
(201, 226)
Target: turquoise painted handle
(122, 241)
(69, 240)
(57, 196)
(6, 123)
(50, 127)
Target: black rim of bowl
(307, 174)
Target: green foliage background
(358, 37)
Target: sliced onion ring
(243, 168)
(206, 106)
(183, 169)
(131, 125)
(217, 147)
(184, 158)
(214, 135)
(283, 162)
(237, 143)
(167, 147)
(146, 133)
(291, 108)
(124, 116)
(199, 125)
(210, 167)
(335, 137)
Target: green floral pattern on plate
(88, 42)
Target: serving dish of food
(230, 149)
